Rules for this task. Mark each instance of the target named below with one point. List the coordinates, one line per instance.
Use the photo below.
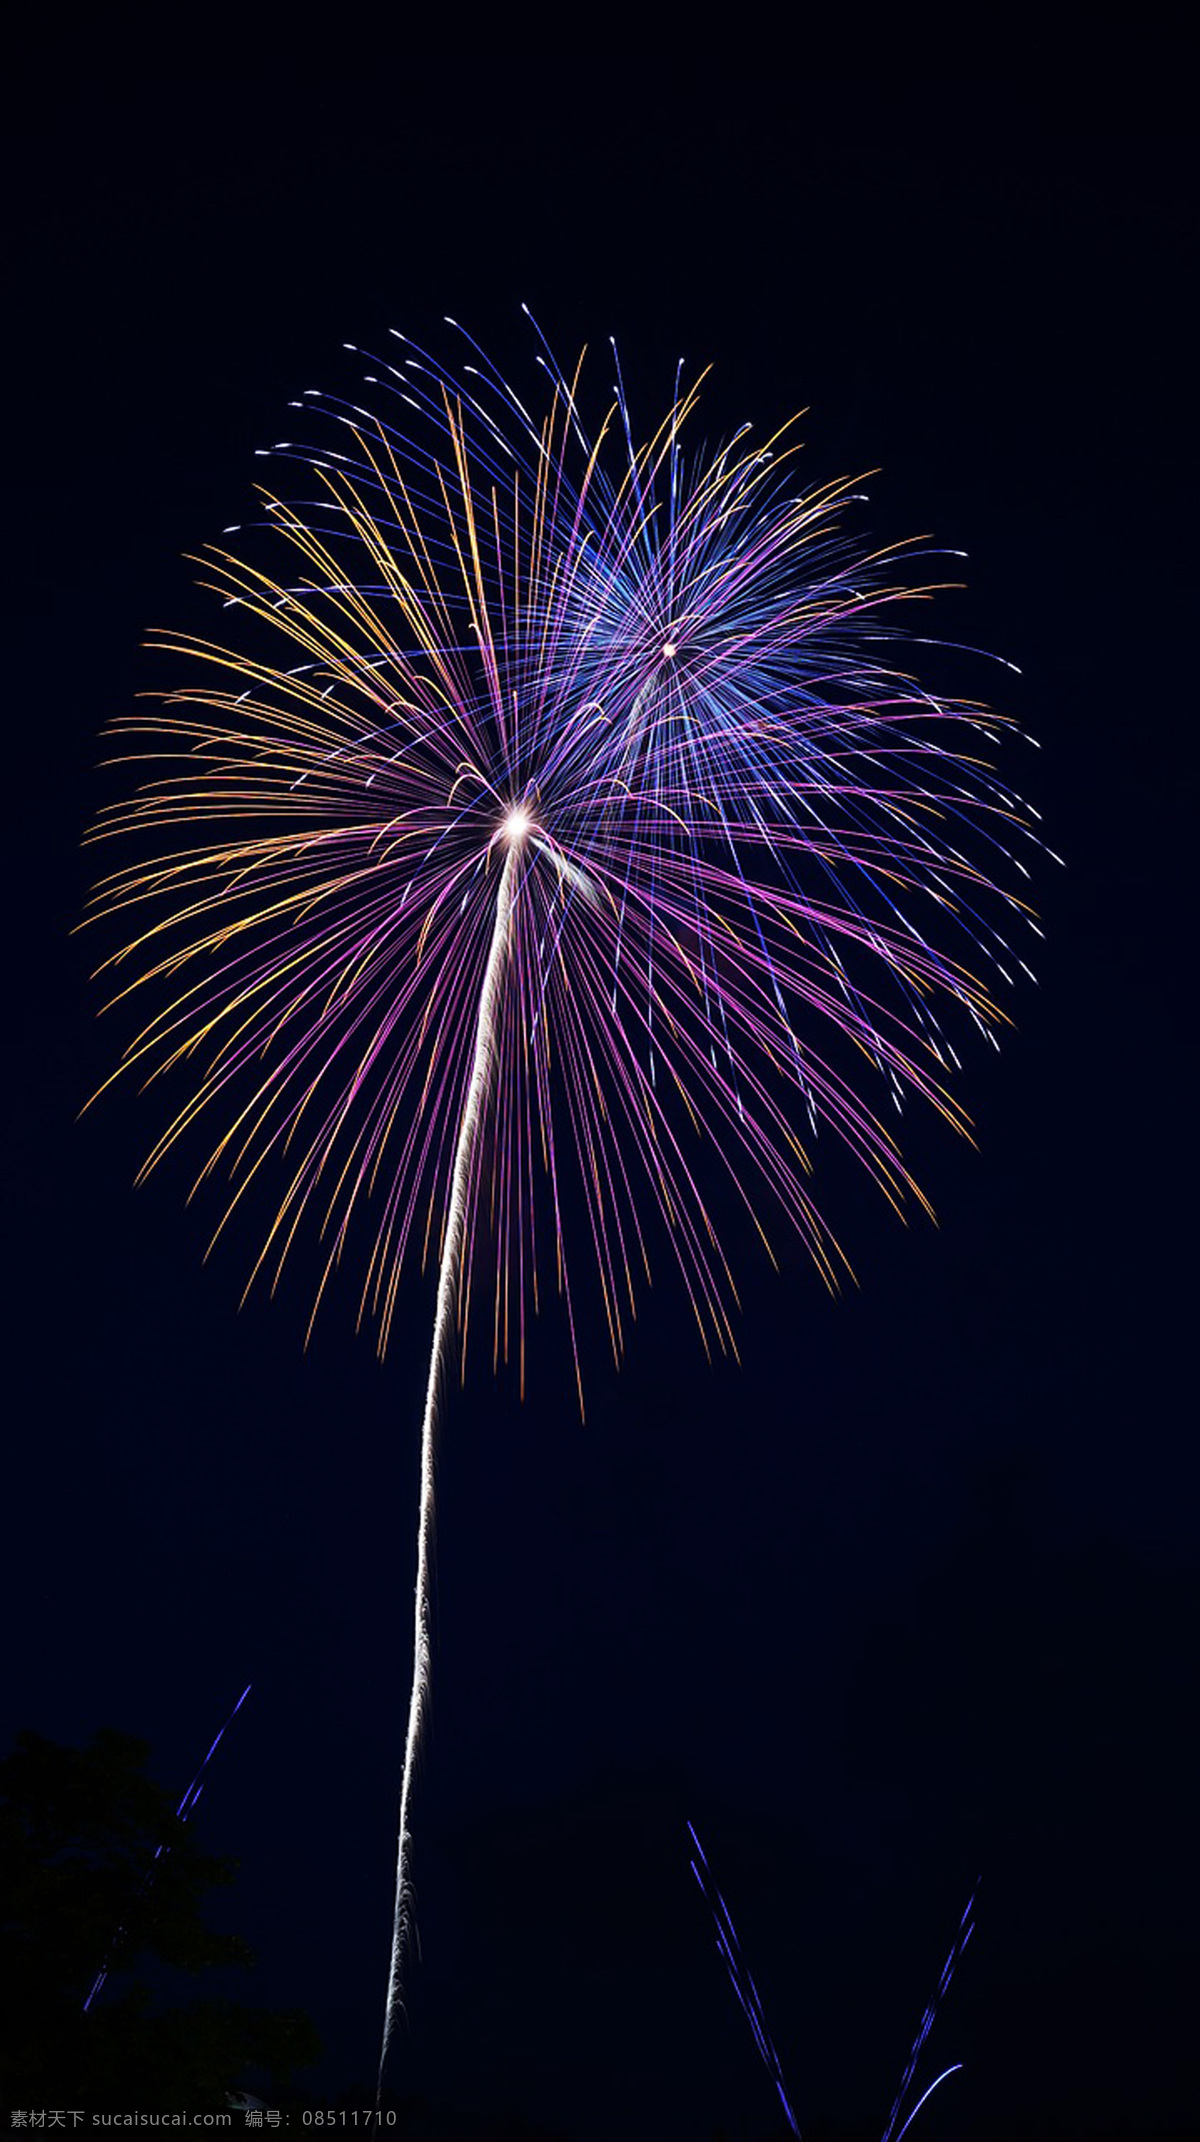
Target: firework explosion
(549, 836)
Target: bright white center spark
(516, 826)
(669, 650)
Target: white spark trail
(443, 1323)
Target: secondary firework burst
(547, 839)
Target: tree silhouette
(97, 1870)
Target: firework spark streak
(729, 1949)
(966, 1928)
(752, 876)
(185, 1808)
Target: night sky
(909, 1597)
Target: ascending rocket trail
(443, 1322)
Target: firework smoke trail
(443, 1325)
(184, 1809)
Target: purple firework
(548, 835)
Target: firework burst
(550, 836)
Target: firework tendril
(549, 838)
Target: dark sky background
(910, 1596)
